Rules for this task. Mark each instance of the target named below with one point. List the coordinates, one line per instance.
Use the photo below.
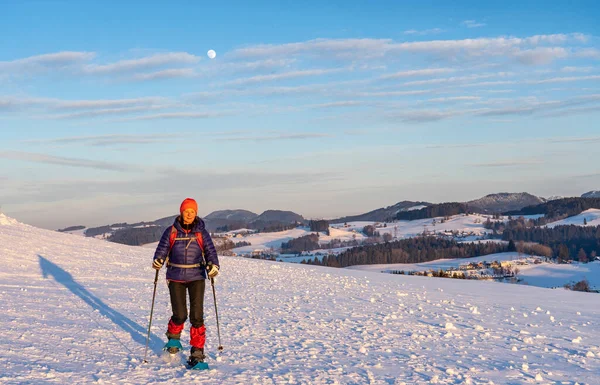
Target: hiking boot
(196, 355)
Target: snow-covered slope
(443, 264)
(75, 311)
(547, 275)
(591, 216)
(555, 275)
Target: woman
(191, 256)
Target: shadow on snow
(138, 333)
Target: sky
(113, 112)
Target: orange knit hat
(188, 203)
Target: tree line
(412, 250)
(137, 236)
(568, 242)
(438, 210)
(559, 208)
(307, 242)
(319, 225)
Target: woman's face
(188, 216)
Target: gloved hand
(157, 264)
(212, 270)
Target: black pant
(179, 303)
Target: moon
(211, 54)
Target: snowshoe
(173, 346)
(196, 360)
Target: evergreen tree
(512, 246)
(563, 253)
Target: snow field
(75, 310)
(592, 217)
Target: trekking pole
(212, 283)
(151, 311)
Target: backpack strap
(200, 241)
(173, 237)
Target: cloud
(591, 139)
(166, 74)
(422, 116)
(460, 145)
(458, 79)
(518, 110)
(421, 72)
(321, 89)
(573, 111)
(523, 50)
(277, 137)
(62, 161)
(499, 91)
(108, 140)
(394, 93)
(105, 103)
(509, 163)
(564, 79)
(431, 31)
(326, 47)
(10, 102)
(255, 66)
(556, 107)
(455, 99)
(342, 103)
(472, 24)
(488, 84)
(284, 75)
(532, 50)
(588, 53)
(540, 56)
(47, 61)
(178, 115)
(104, 112)
(148, 62)
(576, 69)
(163, 184)
(519, 106)
(82, 108)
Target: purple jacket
(187, 252)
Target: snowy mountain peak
(7, 221)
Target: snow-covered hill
(503, 202)
(75, 311)
(591, 217)
(591, 194)
(460, 227)
(544, 274)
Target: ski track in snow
(75, 310)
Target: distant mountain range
(272, 220)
